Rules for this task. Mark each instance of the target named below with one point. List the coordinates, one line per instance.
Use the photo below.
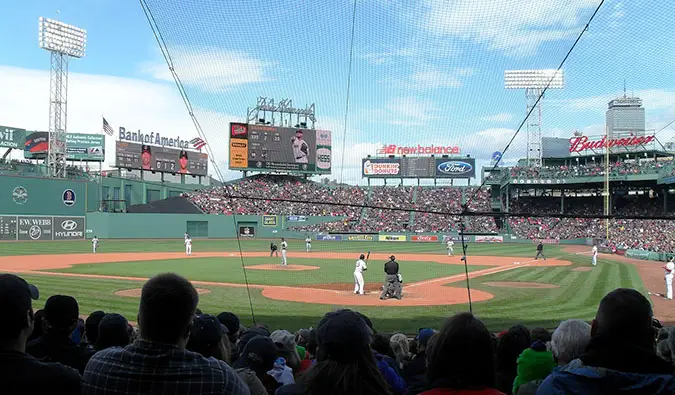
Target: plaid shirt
(153, 368)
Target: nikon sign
(12, 137)
(35, 228)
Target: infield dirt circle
(433, 292)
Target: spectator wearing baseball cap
(113, 331)
(21, 373)
(233, 326)
(345, 362)
(288, 361)
(256, 359)
(56, 345)
(157, 362)
(414, 371)
(91, 327)
(208, 337)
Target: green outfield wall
(41, 196)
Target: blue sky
(424, 71)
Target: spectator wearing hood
(535, 363)
(509, 347)
(620, 357)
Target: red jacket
(448, 391)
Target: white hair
(569, 340)
(399, 344)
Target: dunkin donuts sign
(582, 143)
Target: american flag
(107, 128)
(198, 143)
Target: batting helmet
(362, 256)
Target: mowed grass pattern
(230, 270)
(577, 296)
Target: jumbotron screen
(161, 159)
(274, 148)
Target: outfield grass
(577, 296)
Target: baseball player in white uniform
(450, 244)
(359, 284)
(308, 243)
(284, 246)
(300, 148)
(670, 273)
(188, 245)
(594, 253)
(94, 244)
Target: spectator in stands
(157, 362)
(91, 327)
(415, 371)
(663, 351)
(534, 364)
(510, 345)
(232, 323)
(113, 331)
(208, 337)
(569, 341)
(289, 361)
(401, 348)
(256, 359)
(38, 324)
(345, 363)
(55, 345)
(19, 372)
(461, 359)
(620, 356)
(540, 335)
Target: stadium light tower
(534, 82)
(62, 41)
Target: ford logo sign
(455, 168)
(69, 225)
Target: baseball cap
(91, 325)
(206, 332)
(284, 339)
(230, 320)
(113, 330)
(342, 335)
(16, 295)
(424, 335)
(61, 311)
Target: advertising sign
(8, 227)
(329, 237)
(268, 147)
(582, 143)
(393, 149)
(160, 159)
(36, 145)
(424, 238)
(246, 231)
(69, 228)
(153, 139)
(269, 221)
(360, 238)
(489, 239)
(381, 167)
(35, 228)
(296, 218)
(547, 241)
(455, 168)
(467, 239)
(85, 147)
(12, 137)
(391, 238)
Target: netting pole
(607, 196)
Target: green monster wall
(39, 196)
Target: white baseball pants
(359, 284)
(451, 252)
(669, 286)
(595, 260)
(188, 250)
(283, 258)
(309, 247)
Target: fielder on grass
(94, 244)
(670, 272)
(308, 243)
(594, 255)
(284, 246)
(450, 244)
(359, 284)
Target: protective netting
(431, 72)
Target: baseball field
(507, 285)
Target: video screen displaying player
(183, 162)
(146, 157)
(300, 148)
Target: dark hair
(38, 319)
(627, 315)
(91, 325)
(311, 342)
(359, 376)
(361, 256)
(183, 154)
(461, 356)
(113, 331)
(146, 148)
(167, 308)
(382, 345)
(540, 334)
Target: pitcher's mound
(582, 269)
(519, 284)
(136, 292)
(292, 268)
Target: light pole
(62, 41)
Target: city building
(625, 115)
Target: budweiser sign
(393, 149)
(581, 143)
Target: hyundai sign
(456, 168)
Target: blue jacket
(581, 379)
(390, 376)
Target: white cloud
(618, 11)
(382, 57)
(513, 27)
(132, 103)
(210, 69)
(501, 117)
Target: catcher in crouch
(392, 287)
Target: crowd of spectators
(26, 168)
(398, 198)
(593, 169)
(177, 349)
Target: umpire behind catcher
(392, 285)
